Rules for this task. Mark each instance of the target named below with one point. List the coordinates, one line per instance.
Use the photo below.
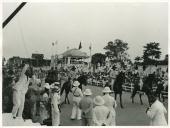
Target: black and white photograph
(84, 63)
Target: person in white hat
(77, 95)
(86, 105)
(111, 104)
(101, 114)
(19, 91)
(34, 94)
(55, 101)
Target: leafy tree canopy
(151, 51)
(98, 58)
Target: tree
(98, 58)
(151, 51)
(138, 59)
(116, 51)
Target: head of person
(55, 84)
(98, 101)
(47, 87)
(76, 84)
(152, 98)
(107, 90)
(87, 92)
(55, 89)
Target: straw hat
(98, 100)
(55, 89)
(47, 86)
(87, 92)
(56, 83)
(107, 90)
(76, 84)
(53, 85)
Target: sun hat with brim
(98, 101)
(87, 92)
(55, 89)
(76, 84)
(107, 90)
(56, 83)
(47, 86)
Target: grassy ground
(130, 115)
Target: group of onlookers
(99, 111)
(39, 99)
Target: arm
(90, 108)
(80, 104)
(115, 104)
(81, 94)
(151, 112)
(95, 119)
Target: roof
(75, 53)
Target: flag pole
(90, 56)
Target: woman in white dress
(111, 104)
(77, 96)
(55, 101)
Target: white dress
(111, 104)
(77, 95)
(55, 101)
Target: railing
(126, 87)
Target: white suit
(55, 101)
(19, 91)
(157, 113)
(101, 114)
(111, 104)
(77, 95)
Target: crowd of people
(35, 94)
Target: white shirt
(101, 115)
(157, 113)
(22, 84)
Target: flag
(80, 46)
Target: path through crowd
(130, 115)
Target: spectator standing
(77, 95)
(86, 105)
(111, 104)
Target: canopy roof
(75, 53)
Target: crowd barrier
(126, 87)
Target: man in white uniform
(19, 91)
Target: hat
(87, 92)
(55, 89)
(47, 86)
(56, 83)
(76, 84)
(107, 90)
(98, 100)
(45, 95)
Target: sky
(37, 25)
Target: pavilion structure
(74, 56)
